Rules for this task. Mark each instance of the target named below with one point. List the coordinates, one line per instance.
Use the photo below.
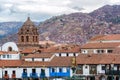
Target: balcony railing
(24, 75)
(112, 72)
(33, 75)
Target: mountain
(107, 13)
(77, 28)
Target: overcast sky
(40, 10)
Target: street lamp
(112, 71)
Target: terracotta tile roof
(61, 61)
(96, 37)
(34, 64)
(98, 59)
(39, 55)
(117, 50)
(56, 61)
(46, 42)
(10, 52)
(60, 49)
(100, 45)
(10, 63)
(107, 37)
(29, 50)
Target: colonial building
(101, 44)
(28, 35)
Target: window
(24, 70)
(74, 54)
(53, 70)
(85, 67)
(110, 51)
(60, 69)
(33, 38)
(103, 67)
(67, 54)
(36, 38)
(27, 38)
(22, 38)
(27, 31)
(33, 70)
(60, 54)
(4, 56)
(9, 48)
(32, 59)
(13, 72)
(8, 56)
(100, 51)
(5, 72)
(43, 59)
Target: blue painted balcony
(24, 75)
(42, 74)
(33, 75)
(56, 74)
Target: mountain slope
(77, 28)
(107, 13)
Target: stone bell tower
(28, 35)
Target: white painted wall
(37, 59)
(63, 54)
(86, 69)
(11, 57)
(84, 51)
(9, 44)
(57, 54)
(99, 69)
(71, 54)
(19, 71)
(28, 59)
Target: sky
(40, 10)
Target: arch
(33, 39)
(27, 38)
(36, 38)
(22, 38)
(10, 48)
(6, 46)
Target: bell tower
(28, 34)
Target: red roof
(10, 63)
(39, 55)
(100, 45)
(106, 37)
(98, 59)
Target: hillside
(77, 28)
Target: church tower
(28, 35)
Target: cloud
(40, 10)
